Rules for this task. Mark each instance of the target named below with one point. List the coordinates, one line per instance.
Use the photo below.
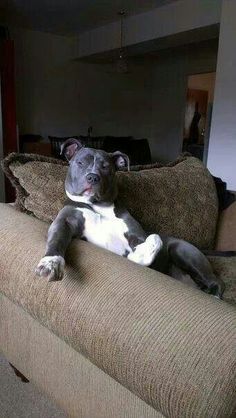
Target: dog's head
(91, 173)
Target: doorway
(198, 109)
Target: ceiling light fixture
(121, 64)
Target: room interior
(154, 79)
(145, 100)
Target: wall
(46, 83)
(58, 95)
(113, 103)
(222, 145)
(176, 17)
(2, 184)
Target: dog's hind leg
(181, 275)
(188, 258)
(146, 252)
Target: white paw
(51, 267)
(146, 252)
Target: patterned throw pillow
(178, 200)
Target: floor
(23, 400)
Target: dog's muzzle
(93, 178)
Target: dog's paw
(146, 252)
(51, 267)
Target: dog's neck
(79, 199)
(104, 208)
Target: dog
(93, 213)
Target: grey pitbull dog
(94, 213)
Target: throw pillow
(178, 200)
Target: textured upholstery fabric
(226, 232)
(225, 268)
(173, 346)
(79, 387)
(178, 200)
(37, 179)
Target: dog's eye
(105, 165)
(79, 163)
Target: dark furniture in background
(34, 144)
(138, 150)
(26, 139)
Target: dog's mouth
(92, 191)
(88, 191)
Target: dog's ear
(121, 160)
(70, 147)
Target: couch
(115, 339)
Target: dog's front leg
(68, 224)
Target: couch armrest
(226, 231)
(171, 345)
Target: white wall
(222, 145)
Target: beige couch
(114, 339)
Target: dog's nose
(92, 178)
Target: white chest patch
(104, 229)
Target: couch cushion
(171, 345)
(179, 199)
(226, 231)
(225, 268)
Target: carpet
(23, 400)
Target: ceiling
(69, 17)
